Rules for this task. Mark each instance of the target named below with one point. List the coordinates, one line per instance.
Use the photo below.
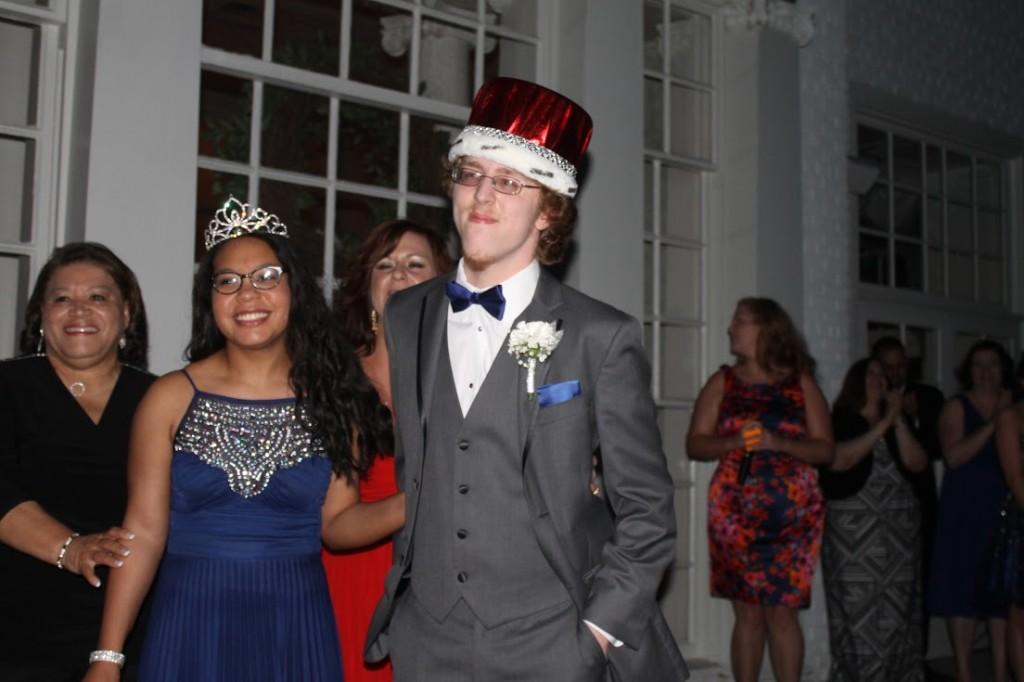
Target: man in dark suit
(921, 407)
(505, 384)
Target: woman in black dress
(65, 415)
(872, 548)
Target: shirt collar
(517, 289)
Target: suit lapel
(544, 307)
(433, 321)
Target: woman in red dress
(395, 255)
(767, 424)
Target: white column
(142, 166)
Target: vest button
(463, 489)
(461, 533)
(415, 484)
(462, 577)
(463, 445)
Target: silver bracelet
(64, 550)
(107, 656)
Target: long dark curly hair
(334, 396)
(136, 334)
(353, 308)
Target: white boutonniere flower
(530, 343)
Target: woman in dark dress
(766, 422)
(972, 491)
(65, 414)
(871, 551)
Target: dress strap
(189, 377)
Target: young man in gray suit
(513, 564)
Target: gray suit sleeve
(622, 593)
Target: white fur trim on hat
(532, 160)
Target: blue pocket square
(552, 394)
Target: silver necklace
(77, 388)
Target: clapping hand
(109, 548)
(893, 406)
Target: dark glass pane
(213, 188)
(307, 34)
(654, 99)
(990, 233)
(302, 210)
(874, 259)
(380, 45)
(958, 176)
(19, 75)
(990, 184)
(906, 161)
(933, 177)
(294, 130)
(438, 218)
(355, 216)
(654, 38)
(234, 25)
(429, 140)
(872, 146)
(936, 272)
(509, 58)
(960, 232)
(225, 115)
(934, 219)
(368, 145)
(874, 208)
(990, 280)
(17, 164)
(907, 213)
(909, 266)
(961, 275)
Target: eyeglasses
(504, 184)
(267, 277)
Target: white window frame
(57, 25)
(263, 71)
(690, 497)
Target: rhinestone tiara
(235, 219)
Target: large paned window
(935, 219)
(335, 114)
(679, 88)
(29, 80)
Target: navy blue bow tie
(491, 300)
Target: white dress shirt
(475, 338)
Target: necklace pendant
(77, 389)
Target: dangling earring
(121, 343)
(40, 346)
(373, 321)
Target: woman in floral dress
(766, 422)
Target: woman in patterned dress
(766, 423)
(872, 546)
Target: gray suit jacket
(610, 556)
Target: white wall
(142, 163)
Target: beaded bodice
(249, 440)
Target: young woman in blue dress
(241, 464)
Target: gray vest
(473, 537)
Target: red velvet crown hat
(528, 128)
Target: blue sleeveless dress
(241, 593)
(968, 516)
